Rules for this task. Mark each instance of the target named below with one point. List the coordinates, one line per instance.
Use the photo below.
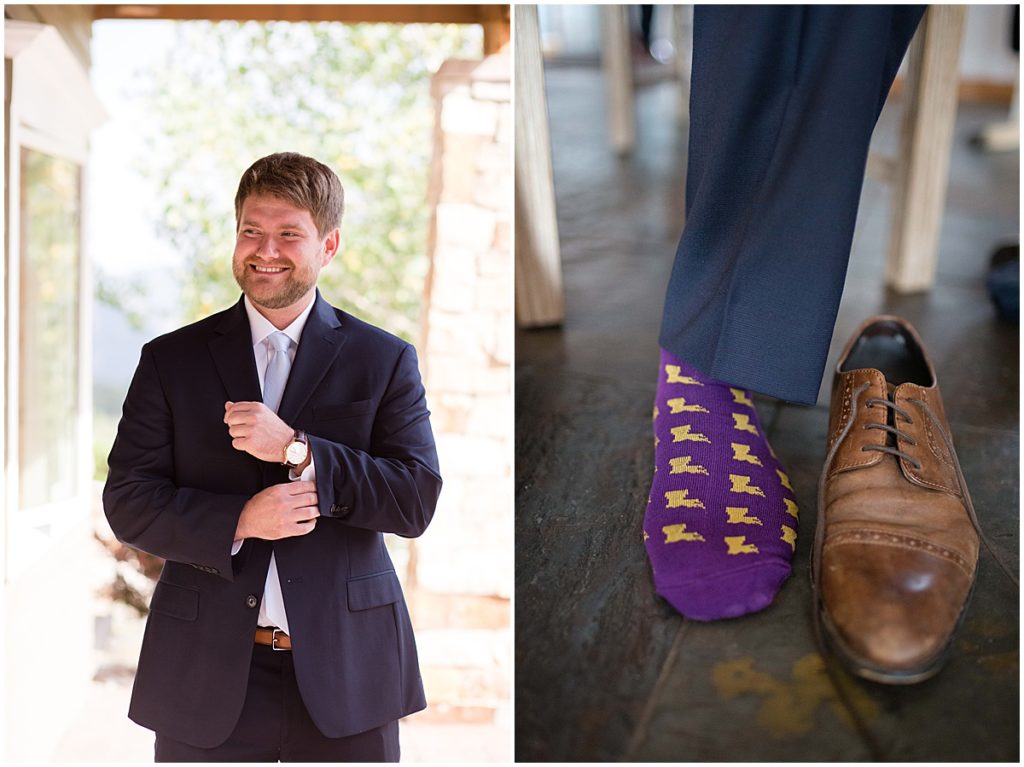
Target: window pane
(50, 237)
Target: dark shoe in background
(1003, 282)
(896, 550)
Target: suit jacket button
(251, 600)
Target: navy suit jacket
(176, 488)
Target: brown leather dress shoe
(896, 548)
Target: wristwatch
(295, 452)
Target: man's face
(278, 252)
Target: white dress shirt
(272, 612)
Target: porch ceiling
(494, 19)
(407, 14)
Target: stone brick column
(460, 571)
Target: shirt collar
(261, 327)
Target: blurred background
(127, 130)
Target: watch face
(296, 453)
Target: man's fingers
(306, 528)
(300, 487)
(241, 408)
(244, 407)
(301, 514)
(305, 501)
(235, 416)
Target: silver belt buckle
(273, 641)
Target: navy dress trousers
(783, 103)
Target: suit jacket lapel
(322, 339)
(231, 347)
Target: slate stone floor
(605, 669)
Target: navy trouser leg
(275, 726)
(783, 103)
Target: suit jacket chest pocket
(346, 422)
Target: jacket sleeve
(146, 509)
(393, 487)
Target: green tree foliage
(356, 97)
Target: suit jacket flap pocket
(175, 601)
(374, 591)
(342, 410)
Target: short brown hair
(302, 181)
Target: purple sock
(720, 527)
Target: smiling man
(262, 452)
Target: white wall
(570, 30)
(48, 619)
(986, 55)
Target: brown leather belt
(273, 638)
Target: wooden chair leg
(539, 299)
(682, 44)
(617, 60)
(922, 170)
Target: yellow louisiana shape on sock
(676, 533)
(681, 498)
(682, 465)
(784, 479)
(674, 376)
(678, 405)
(789, 536)
(738, 545)
(791, 508)
(740, 397)
(741, 452)
(741, 484)
(683, 434)
(742, 422)
(738, 516)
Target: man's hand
(256, 430)
(279, 511)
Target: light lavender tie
(278, 368)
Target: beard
(298, 283)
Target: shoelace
(898, 411)
(819, 534)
